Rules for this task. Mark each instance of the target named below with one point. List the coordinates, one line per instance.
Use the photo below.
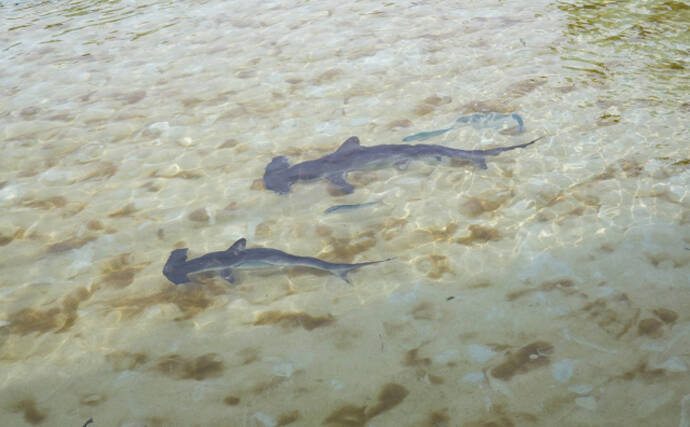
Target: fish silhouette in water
(351, 156)
(346, 208)
(177, 268)
(478, 119)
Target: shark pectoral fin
(481, 163)
(343, 275)
(340, 181)
(227, 275)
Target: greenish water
(643, 45)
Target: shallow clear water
(550, 288)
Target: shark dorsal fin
(352, 143)
(237, 247)
(277, 164)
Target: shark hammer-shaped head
(173, 268)
(277, 177)
(177, 267)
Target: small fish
(478, 119)
(238, 256)
(342, 208)
(89, 421)
(279, 175)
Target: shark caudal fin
(174, 267)
(342, 271)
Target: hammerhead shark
(238, 256)
(351, 156)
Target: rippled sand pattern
(549, 289)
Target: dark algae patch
(5, 240)
(47, 204)
(499, 416)
(31, 413)
(190, 300)
(475, 206)
(650, 327)
(435, 266)
(567, 287)
(264, 386)
(119, 271)
(30, 320)
(56, 319)
(346, 249)
(69, 244)
(424, 311)
(288, 418)
(479, 234)
(667, 316)
(231, 400)
(650, 35)
(614, 314)
(439, 418)
(527, 358)
(348, 415)
(292, 320)
(641, 370)
(412, 358)
(390, 396)
(125, 211)
(199, 368)
(199, 215)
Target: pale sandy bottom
(549, 289)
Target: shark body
(351, 156)
(177, 268)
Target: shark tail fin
(342, 272)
